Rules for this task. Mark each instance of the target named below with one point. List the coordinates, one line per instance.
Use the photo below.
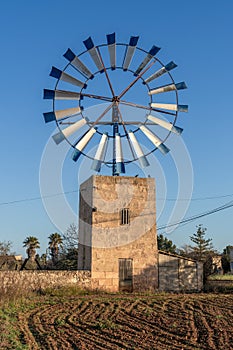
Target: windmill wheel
(114, 92)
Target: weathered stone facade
(39, 280)
(179, 274)
(10, 262)
(117, 221)
(230, 249)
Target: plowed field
(163, 321)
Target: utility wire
(75, 191)
(196, 199)
(38, 198)
(182, 222)
(198, 216)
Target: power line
(198, 216)
(182, 222)
(196, 199)
(75, 191)
(38, 198)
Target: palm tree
(32, 244)
(55, 241)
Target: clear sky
(197, 35)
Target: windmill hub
(115, 99)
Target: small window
(124, 216)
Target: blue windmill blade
(153, 51)
(82, 143)
(138, 150)
(94, 53)
(70, 130)
(111, 41)
(100, 153)
(60, 75)
(171, 65)
(78, 64)
(61, 114)
(120, 166)
(164, 124)
(129, 53)
(154, 139)
(167, 88)
(170, 107)
(61, 95)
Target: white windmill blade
(61, 95)
(171, 65)
(155, 139)
(166, 88)
(100, 153)
(120, 166)
(78, 64)
(153, 51)
(170, 107)
(130, 52)
(59, 74)
(83, 143)
(60, 114)
(138, 150)
(164, 124)
(111, 40)
(60, 136)
(94, 54)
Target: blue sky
(196, 35)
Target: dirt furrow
(161, 322)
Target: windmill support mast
(115, 121)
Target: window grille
(125, 216)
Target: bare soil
(105, 322)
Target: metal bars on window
(124, 217)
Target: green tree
(202, 250)
(55, 242)
(5, 248)
(166, 244)
(226, 259)
(203, 247)
(31, 243)
(70, 237)
(69, 253)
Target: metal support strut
(115, 120)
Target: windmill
(81, 86)
(116, 103)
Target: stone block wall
(178, 274)
(37, 280)
(85, 224)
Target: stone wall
(36, 280)
(179, 274)
(175, 274)
(230, 249)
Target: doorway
(126, 275)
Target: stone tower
(117, 232)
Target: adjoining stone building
(118, 239)
(230, 249)
(10, 262)
(179, 274)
